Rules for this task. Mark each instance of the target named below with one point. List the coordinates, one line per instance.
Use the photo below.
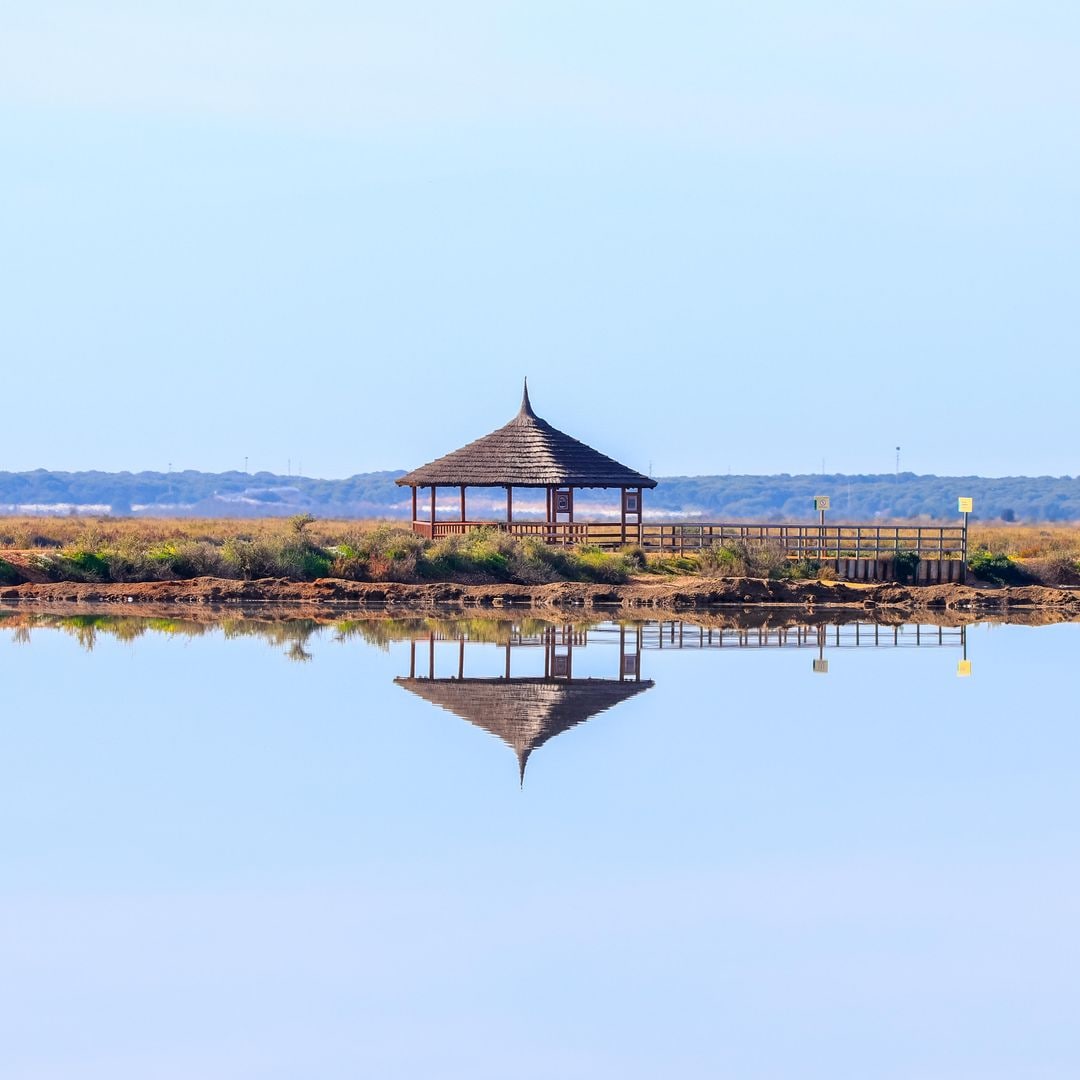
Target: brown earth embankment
(680, 595)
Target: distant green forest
(759, 498)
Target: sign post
(965, 505)
(821, 504)
(963, 667)
(821, 665)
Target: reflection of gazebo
(525, 712)
(529, 453)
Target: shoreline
(681, 595)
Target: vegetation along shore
(302, 560)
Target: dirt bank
(677, 595)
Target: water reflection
(523, 680)
(527, 710)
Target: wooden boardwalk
(818, 542)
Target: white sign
(821, 502)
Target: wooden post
(414, 502)
(463, 504)
(641, 515)
(509, 504)
(432, 511)
(964, 552)
(623, 513)
(431, 655)
(461, 657)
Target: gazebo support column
(623, 511)
(432, 537)
(463, 504)
(509, 504)
(414, 504)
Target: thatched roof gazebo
(529, 453)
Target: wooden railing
(795, 541)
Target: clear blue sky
(714, 235)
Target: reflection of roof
(527, 452)
(524, 713)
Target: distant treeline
(758, 498)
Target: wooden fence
(820, 542)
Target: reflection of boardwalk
(524, 712)
(683, 635)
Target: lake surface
(285, 851)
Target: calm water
(287, 852)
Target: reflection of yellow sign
(965, 505)
(821, 502)
(821, 667)
(963, 669)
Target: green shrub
(995, 566)
(603, 567)
(905, 564)
(197, 558)
(744, 558)
(82, 564)
(8, 574)
(803, 569)
(485, 553)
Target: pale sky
(715, 236)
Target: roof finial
(526, 405)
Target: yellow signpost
(963, 669)
(965, 504)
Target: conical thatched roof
(524, 713)
(527, 452)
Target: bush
(905, 564)
(8, 574)
(744, 558)
(289, 558)
(804, 570)
(997, 567)
(483, 553)
(195, 559)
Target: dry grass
(25, 533)
(1026, 541)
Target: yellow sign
(963, 669)
(821, 502)
(965, 505)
